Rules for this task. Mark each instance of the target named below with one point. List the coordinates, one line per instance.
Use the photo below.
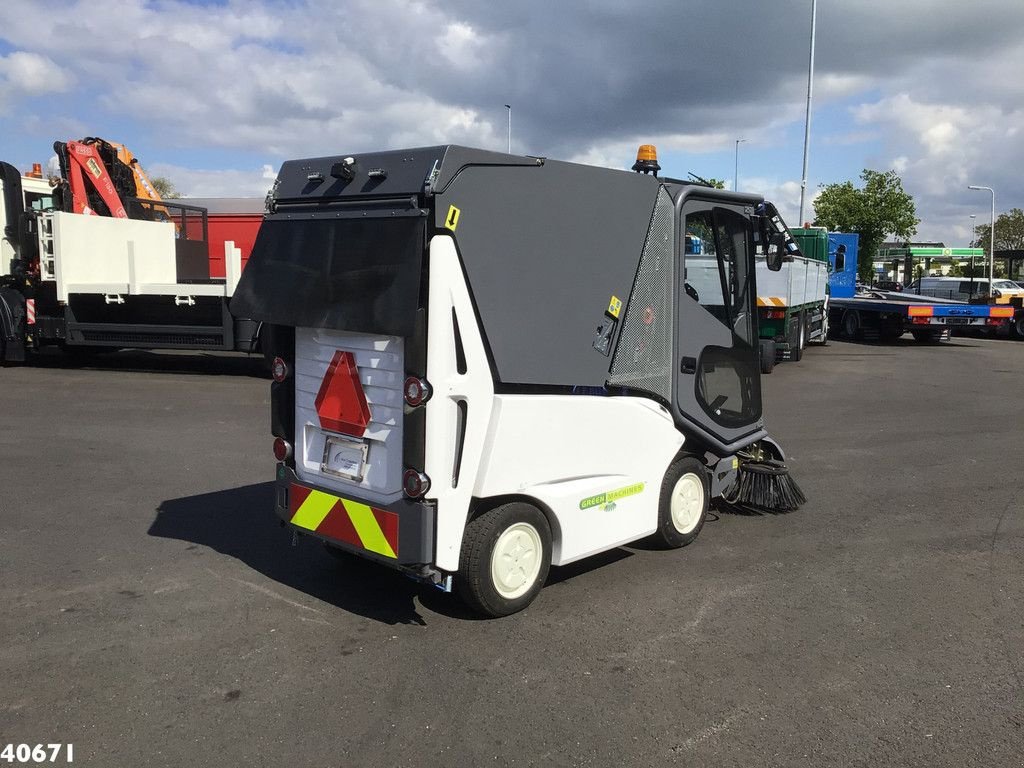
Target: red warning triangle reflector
(341, 403)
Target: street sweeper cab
(490, 364)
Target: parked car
(964, 288)
(888, 285)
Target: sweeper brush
(764, 486)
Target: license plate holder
(345, 457)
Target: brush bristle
(764, 487)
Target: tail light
(919, 320)
(279, 369)
(282, 449)
(415, 484)
(417, 391)
(775, 314)
(994, 321)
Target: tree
(716, 183)
(879, 210)
(1009, 232)
(165, 188)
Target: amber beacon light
(647, 159)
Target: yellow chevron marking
(313, 510)
(770, 301)
(368, 529)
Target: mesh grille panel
(643, 355)
(215, 341)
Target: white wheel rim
(687, 503)
(516, 559)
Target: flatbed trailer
(885, 316)
(98, 283)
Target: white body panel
(799, 282)
(564, 449)
(99, 254)
(110, 253)
(556, 449)
(472, 390)
(380, 361)
(37, 187)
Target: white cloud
(23, 73)
(192, 182)
(461, 45)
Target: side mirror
(771, 242)
(775, 252)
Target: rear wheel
(851, 324)
(505, 559)
(768, 354)
(684, 503)
(1017, 325)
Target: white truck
(491, 364)
(138, 276)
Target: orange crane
(113, 174)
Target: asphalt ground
(152, 612)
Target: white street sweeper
(490, 364)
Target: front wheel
(684, 503)
(505, 559)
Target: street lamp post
(736, 168)
(992, 238)
(974, 239)
(807, 119)
(509, 108)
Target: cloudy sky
(214, 95)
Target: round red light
(282, 449)
(415, 484)
(279, 369)
(417, 391)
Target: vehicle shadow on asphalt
(239, 523)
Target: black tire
(1017, 325)
(851, 324)
(686, 485)
(796, 338)
(767, 355)
(505, 528)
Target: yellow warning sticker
(615, 307)
(452, 220)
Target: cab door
(718, 388)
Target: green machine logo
(607, 500)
